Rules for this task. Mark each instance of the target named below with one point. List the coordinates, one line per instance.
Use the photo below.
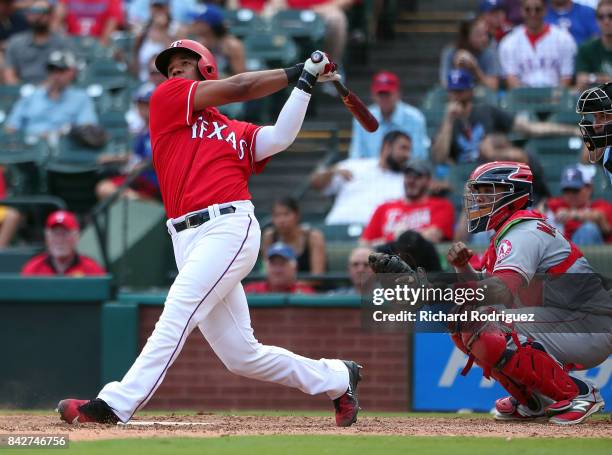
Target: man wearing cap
(281, 270)
(494, 14)
(360, 185)
(146, 185)
(61, 257)
(392, 115)
(55, 105)
(432, 217)
(583, 221)
(466, 125)
(537, 54)
(27, 53)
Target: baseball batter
(595, 107)
(203, 161)
(528, 359)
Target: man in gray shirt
(27, 52)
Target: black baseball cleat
(347, 406)
(84, 411)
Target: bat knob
(316, 57)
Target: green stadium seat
(567, 117)
(109, 73)
(337, 255)
(555, 153)
(305, 27)
(115, 124)
(276, 49)
(13, 259)
(243, 22)
(340, 232)
(540, 100)
(74, 183)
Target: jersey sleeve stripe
(189, 106)
(513, 269)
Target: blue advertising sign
(439, 386)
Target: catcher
(529, 361)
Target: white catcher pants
(212, 259)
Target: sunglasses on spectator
(357, 264)
(38, 10)
(535, 9)
(571, 190)
(601, 17)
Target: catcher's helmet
(508, 188)
(207, 65)
(595, 106)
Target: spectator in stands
(153, 38)
(494, 14)
(594, 59)
(146, 185)
(392, 115)
(432, 217)
(27, 52)
(473, 51)
(54, 106)
(537, 54)
(12, 21)
(97, 18)
(577, 19)
(281, 273)
(466, 125)
(584, 221)
(9, 217)
(62, 234)
(359, 272)
(139, 12)
(415, 250)
(360, 185)
(307, 243)
(209, 28)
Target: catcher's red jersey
(201, 158)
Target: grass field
(272, 433)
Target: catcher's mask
(494, 191)
(595, 106)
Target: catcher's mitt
(392, 263)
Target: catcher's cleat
(347, 406)
(508, 409)
(83, 411)
(571, 412)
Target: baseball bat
(352, 102)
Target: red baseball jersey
(42, 265)
(557, 203)
(392, 218)
(201, 158)
(89, 17)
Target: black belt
(199, 218)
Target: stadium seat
(568, 117)
(540, 100)
(73, 183)
(555, 153)
(13, 259)
(305, 27)
(337, 255)
(70, 151)
(341, 232)
(114, 123)
(243, 22)
(275, 48)
(109, 73)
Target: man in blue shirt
(54, 106)
(595, 106)
(577, 19)
(392, 115)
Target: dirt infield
(211, 425)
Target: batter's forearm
(258, 84)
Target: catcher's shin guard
(520, 368)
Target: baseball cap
(459, 79)
(385, 81)
(491, 5)
(419, 167)
(209, 14)
(572, 178)
(282, 250)
(63, 218)
(61, 60)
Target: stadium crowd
(77, 76)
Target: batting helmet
(595, 106)
(207, 66)
(494, 191)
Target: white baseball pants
(212, 259)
